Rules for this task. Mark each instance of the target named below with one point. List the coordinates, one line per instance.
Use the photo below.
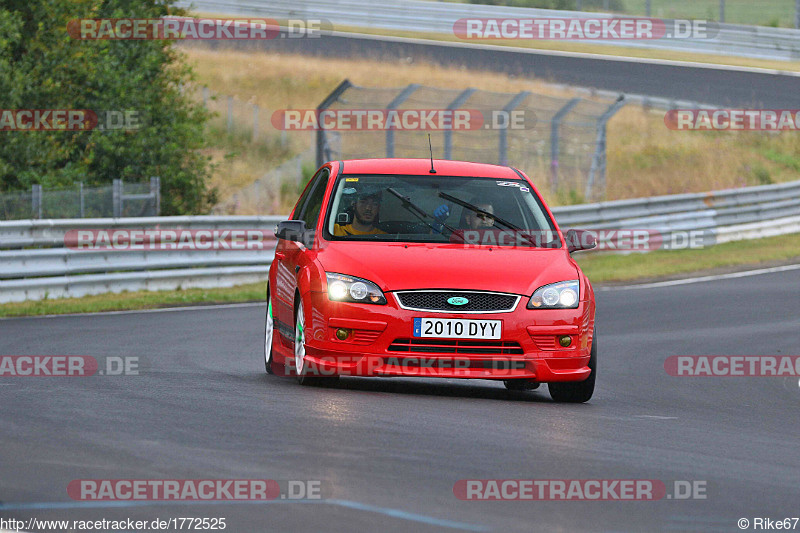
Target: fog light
(342, 334)
(565, 340)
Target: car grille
(455, 346)
(479, 302)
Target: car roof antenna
(430, 147)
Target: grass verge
(125, 301)
(661, 264)
(601, 268)
(644, 157)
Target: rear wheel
(580, 391)
(269, 334)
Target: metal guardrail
(51, 270)
(438, 17)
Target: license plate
(458, 328)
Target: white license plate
(458, 328)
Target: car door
(292, 256)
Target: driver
(366, 211)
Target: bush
(42, 67)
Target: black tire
(577, 391)
(521, 384)
(303, 370)
(269, 336)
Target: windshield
(484, 211)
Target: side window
(309, 211)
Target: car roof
(422, 166)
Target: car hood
(397, 266)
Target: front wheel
(269, 334)
(301, 364)
(580, 391)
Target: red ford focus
(419, 268)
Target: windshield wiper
(494, 217)
(415, 210)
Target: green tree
(43, 67)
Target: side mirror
(580, 239)
(291, 230)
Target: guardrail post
(230, 114)
(448, 133)
(797, 14)
(116, 198)
(502, 147)
(255, 122)
(155, 192)
(80, 189)
(399, 99)
(598, 169)
(555, 125)
(321, 138)
(36, 201)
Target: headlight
(561, 295)
(343, 288)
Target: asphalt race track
(723, 86)
(388, 451)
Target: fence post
(399, 99)
(448, 133)
(598, 168)
(230, 114)
(502, 147)
(797, 14)
(255, 122)
(36, 201)
(83, 213)
(329, 101)
(555, 125)
(155, 192)
(116, 198)
(205, 96)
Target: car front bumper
(380, 342)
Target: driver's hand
(441, 213)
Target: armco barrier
(34, 262)
(439, 17)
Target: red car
(430, 268)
